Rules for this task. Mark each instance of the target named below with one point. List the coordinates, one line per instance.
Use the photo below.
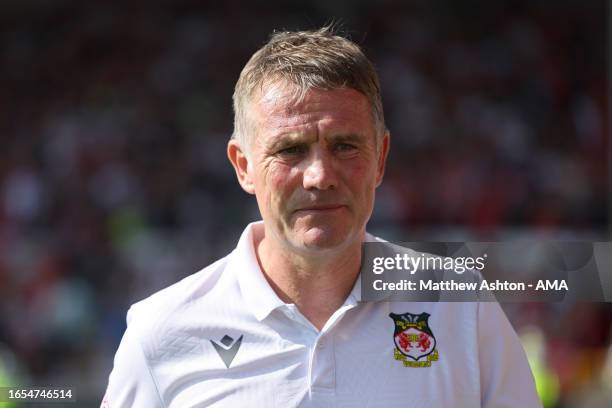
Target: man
(278, 322)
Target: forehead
(278, 107)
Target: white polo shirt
(223, 338)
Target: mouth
(322, 208)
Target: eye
(344, 147)
(292, 150)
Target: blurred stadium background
(113, 180)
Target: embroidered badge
(415, 344)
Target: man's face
(313, 166)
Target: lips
(322, 208)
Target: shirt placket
(322, 361)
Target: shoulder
(161, 329)
(191, 287)
(167, 313)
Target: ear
(382, 157)
(240, 161)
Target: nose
(319, 172)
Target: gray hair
(317, 59)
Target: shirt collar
(355, 295)
(260, 298)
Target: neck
(317, 283)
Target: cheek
(360, 179)
(360, 174)
(281, 182)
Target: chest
(365, 361)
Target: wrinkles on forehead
(274, 93)
(279, 118)
(284, 98)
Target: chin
(326, 238)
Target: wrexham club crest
(415, 344)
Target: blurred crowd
(114, 182)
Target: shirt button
(321, 344)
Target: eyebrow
(284, 140)
(347, 138)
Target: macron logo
(227, 349)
